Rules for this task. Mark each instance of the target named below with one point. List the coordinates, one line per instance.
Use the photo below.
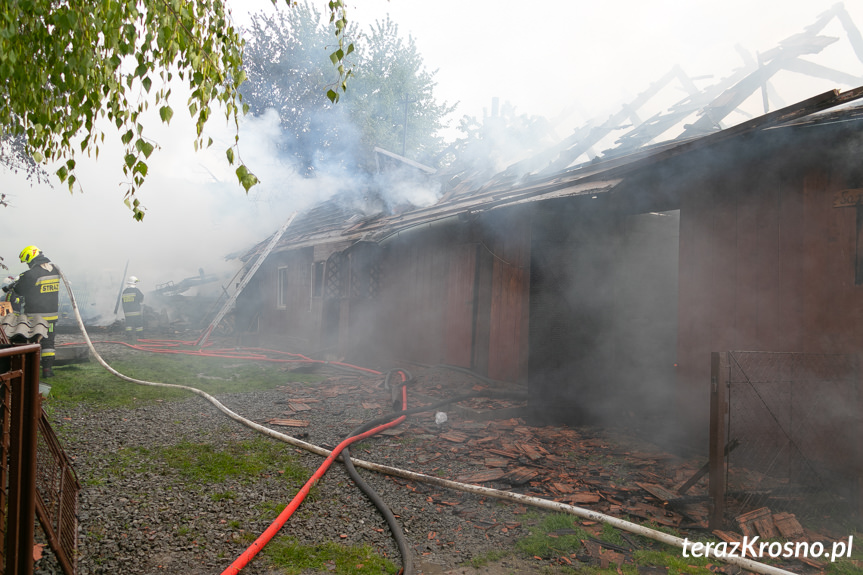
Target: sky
(568, 60)
(573, 60)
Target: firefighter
(133, 307)
(39, 290)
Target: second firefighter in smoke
(133, 308)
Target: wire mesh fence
(57, 491)
(791, 430)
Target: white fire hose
(628, 526)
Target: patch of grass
(553, 536)
(611, 535)
(852, 565)
(127, 459)
(292, 558)
(270, 509)
(559, 535)
(479, 561)
(202, 463)
(92, 384)
(676, 563)
(296, 473)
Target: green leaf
(246, 178)
(249, 181)
(166, 113)
(230, 154)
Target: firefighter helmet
(27, 254)
(132, 281)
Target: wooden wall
(413, 297)
(294, 327)
(506, 238)
(457, 294)
(766, 264)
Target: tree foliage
(392, 95)
(15, 156)
(285, 73)
(68, 66)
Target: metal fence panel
(35, 474)
(797, 419)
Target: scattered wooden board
(288, 422)
(757, 522)
(580, 498)
(532, 453)
(482, 476)
(455, 436)
(658, 491)
(788, 526)
(520, 476)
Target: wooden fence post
(718, 439)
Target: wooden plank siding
(460, 312)
(413, 297)
(507, 237)
(768, 284)
(458, 295)
(766, 264)
(695, 305)
(791, 273)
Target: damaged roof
(571, 168)
(338, 221)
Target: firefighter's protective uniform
(133, 307)
(39, 288)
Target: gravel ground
(145, 520)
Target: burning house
(591, 283)
(605, 286)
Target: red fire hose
(286, 513)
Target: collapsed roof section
(703, 118)
(334, 221)
(707, 110)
